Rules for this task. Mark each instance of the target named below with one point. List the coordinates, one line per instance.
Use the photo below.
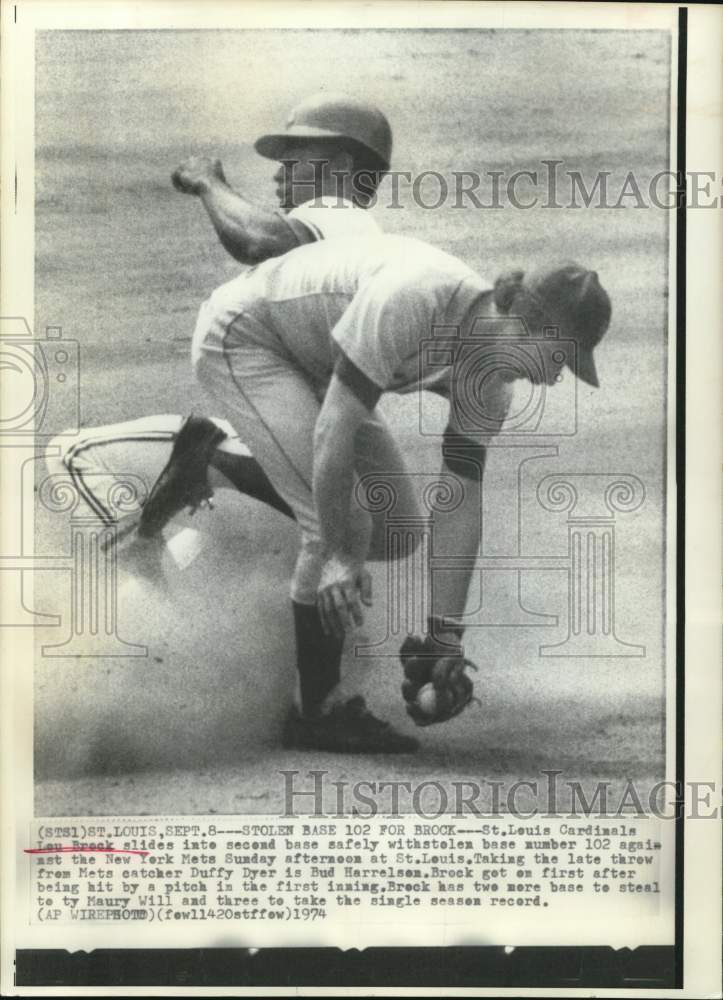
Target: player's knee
(55, 453)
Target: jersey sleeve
(328, 217)
(383, 328)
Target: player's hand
(196, 174)
(345, 585)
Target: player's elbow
(270, 240)
(242, 248)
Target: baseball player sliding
(332, 155)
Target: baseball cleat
(346, 728)
(184, 480)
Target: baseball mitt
(436, 686)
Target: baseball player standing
(295, 354)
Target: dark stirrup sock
(248, 477)
(318, 658)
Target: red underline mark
(87, 850)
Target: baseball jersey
(380, 299)
(327, 217)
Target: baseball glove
(435, 686)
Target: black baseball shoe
(346, 728)
(184, 480)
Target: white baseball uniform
(266, 343)
(327, 217)
(99, 458)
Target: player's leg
(248, 385)
(89, 490)
(275, 410)
(125, 460)
(245, 474)
(206, 453)
(112, 468)
(204, 458)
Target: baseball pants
(251, 382)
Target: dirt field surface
(122, 263)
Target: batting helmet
(332, 116)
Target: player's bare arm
(458, 532)
(247, 231)
(345, 584)
(436, 685)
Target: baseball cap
(575, 301)
(331, 116)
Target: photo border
(645, 968)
